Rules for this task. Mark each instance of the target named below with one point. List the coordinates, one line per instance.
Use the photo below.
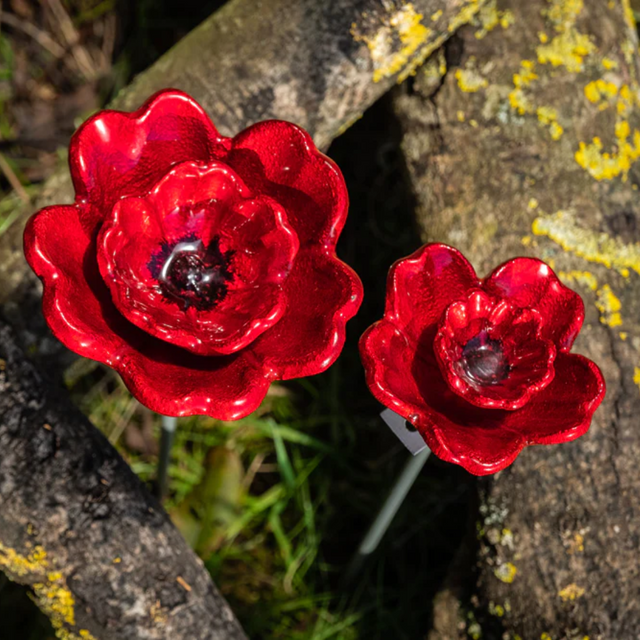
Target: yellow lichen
(610, 164)
(609, 306)
(636, 376)
(563, 13)
(556, 131)
(460, 116)
(526, 75)
(571, 592)
(402, 43)
(623, 335)
(19, 565)
(469, 80)
(546, 115)
(609, 64)
(569, 48)
(584, 278)
(519, 102)
(576, 545)
(627, 99)
(601, 91)
(532, 204)
(436, 16)
(523, 78)
(598, 248)
(55, 599)
(405, 24)
(549, 116)
(593, 246)
(51, 591)
(489, 17)
(62, 633)
(465, 15)
(506, 572)
(628, 15)
(545, 636)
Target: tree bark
(77, 526)
(529, 146)
(318, 64)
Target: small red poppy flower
(481, 368)
(200, 267)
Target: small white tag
(409, 436)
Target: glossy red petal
(322, 293)
(492, 353)
(454, 430)
(560, 413)
(563, 411)
(79, 310)
(403, 371)
(189, 207)
(118, 157)
(279, 159)
(225, 388)
(387, 356)
(422, 286)
(483, 441)
(116, 154)
(58, 248)
(530, 283)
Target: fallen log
(81, 530)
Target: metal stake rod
(386, 514)
(167, 436)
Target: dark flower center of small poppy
(483, 361)
(192, 274)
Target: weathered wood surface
(78, 526)
(318, 64)
(529, 146)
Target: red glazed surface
(200, 267)
(481, 368)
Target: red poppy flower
(200, 267)
(481, 367)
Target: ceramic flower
(481, 368)
(200, 267)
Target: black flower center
(192, 274)
(483, 361)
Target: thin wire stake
(386, 514)
(167, 436)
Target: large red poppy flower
(200, 267)
(481, 367)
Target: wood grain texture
(528, 146)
